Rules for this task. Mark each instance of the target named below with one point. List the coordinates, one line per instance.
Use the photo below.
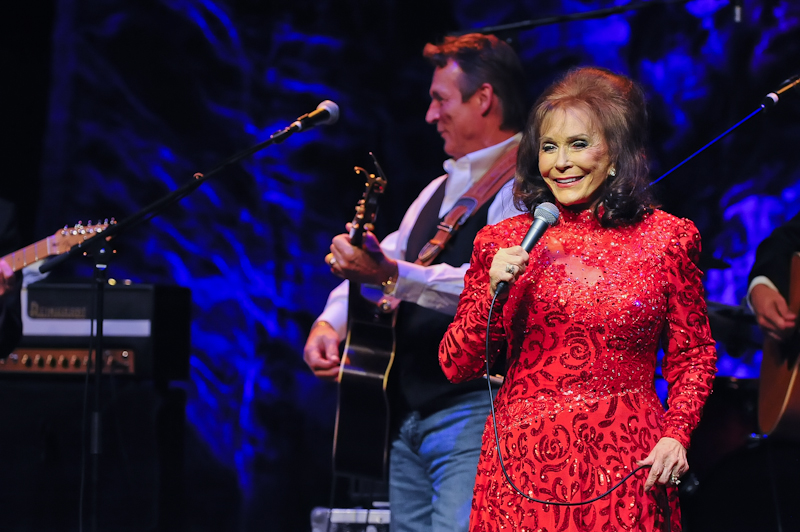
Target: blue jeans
(433, 464)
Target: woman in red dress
(581, 324)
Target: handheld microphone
(326, 112)
(771, 99)
(545, 215)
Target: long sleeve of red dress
(582, 328)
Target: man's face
(459, 123)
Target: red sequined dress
(578, 406)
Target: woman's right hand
(508, 265)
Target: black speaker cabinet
(47, 480)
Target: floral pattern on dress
(578, 407)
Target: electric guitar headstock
(63, 239)
(367, 207)
(55, 244)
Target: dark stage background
(110, 105)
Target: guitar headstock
(69, 236)
(367, 207)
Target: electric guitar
(56, 244)
(361, 435)
(779, 382)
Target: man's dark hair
(485, 59)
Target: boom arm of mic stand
(770, 100)
(599, 13)
(692, 156)
(96, 242)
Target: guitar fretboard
(33, 253)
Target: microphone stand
(769, 101)
(98, 247)
(599, 13)
(150, 211)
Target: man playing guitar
(477, 105)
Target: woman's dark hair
(617, 107)
(485, 59)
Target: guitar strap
(492, 181)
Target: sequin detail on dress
(579, 406)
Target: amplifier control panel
(67, 361)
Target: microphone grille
(333, 111)
(547, 212)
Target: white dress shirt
(437, 286)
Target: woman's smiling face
(573, 157)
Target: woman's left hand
(668, 461)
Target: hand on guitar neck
(772, 312)
(365, 264)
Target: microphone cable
(497, 439)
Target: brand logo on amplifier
(65, 313)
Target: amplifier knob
(26, 360)
(38, 360)
(51, 361)
(63, 362)
(75, 361)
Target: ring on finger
(510, 268)
(332, 262)
(674, 480)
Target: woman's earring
(612, 173)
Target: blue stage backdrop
(145, 94)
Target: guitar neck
(32, 253)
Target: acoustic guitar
(361, 435)
(779, 382)
(60, 242)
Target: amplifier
(146, 330)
